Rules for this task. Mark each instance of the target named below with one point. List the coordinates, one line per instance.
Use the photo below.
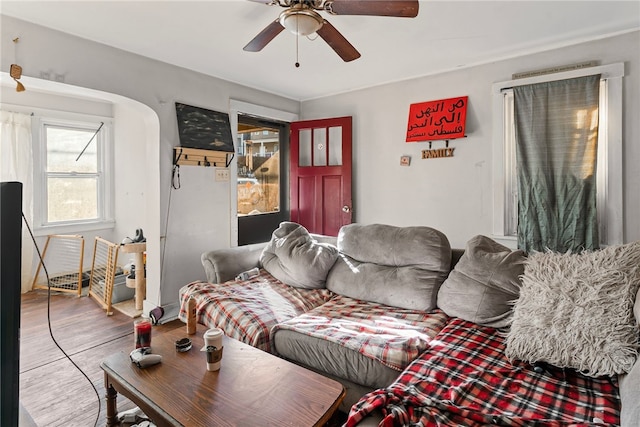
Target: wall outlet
(222, 174)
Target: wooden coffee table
(251, 388)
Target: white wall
(454, 195)
(199, 218)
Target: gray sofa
(416, 259)
(403, 268)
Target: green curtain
(556, 150)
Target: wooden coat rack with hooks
(184, 156)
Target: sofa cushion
(294, 257)
(397, 266)
(576, 310)
(344, 333)
(483, 284)
(247, 310)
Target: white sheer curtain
(16, 164)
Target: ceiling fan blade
(343, 48)
(264, 37)
(397, 8)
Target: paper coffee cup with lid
(213, 347)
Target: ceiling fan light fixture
(301, 22)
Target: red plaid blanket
(393, 336)
(465, 380)
(247, 310)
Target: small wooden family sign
(437, 153)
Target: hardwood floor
(52, 390)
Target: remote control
(142, 357)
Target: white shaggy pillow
(576, 310)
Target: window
(262, 183)
(609, 168)
(247, 229)
(71, 184)
(258, 158)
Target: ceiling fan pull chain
(297, 41)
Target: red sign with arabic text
(437, 120)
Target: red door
(321, 174)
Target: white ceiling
(208, 37)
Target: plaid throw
(247, 310)
(465, 380)
(393, 336)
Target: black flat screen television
(10, 272)
(203, 129)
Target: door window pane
(320, 147)
(335, 146)
(304, 142)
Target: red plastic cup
(142, 332)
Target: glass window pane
(259, 172)
(63, 147)
(335, 146)
(72, 199)
(320, 147)
(304, 156)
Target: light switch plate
(222, 174)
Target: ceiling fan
(301, 18)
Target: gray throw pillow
(397, 266)
(576, 310)
(297, 259)
(483, 284)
